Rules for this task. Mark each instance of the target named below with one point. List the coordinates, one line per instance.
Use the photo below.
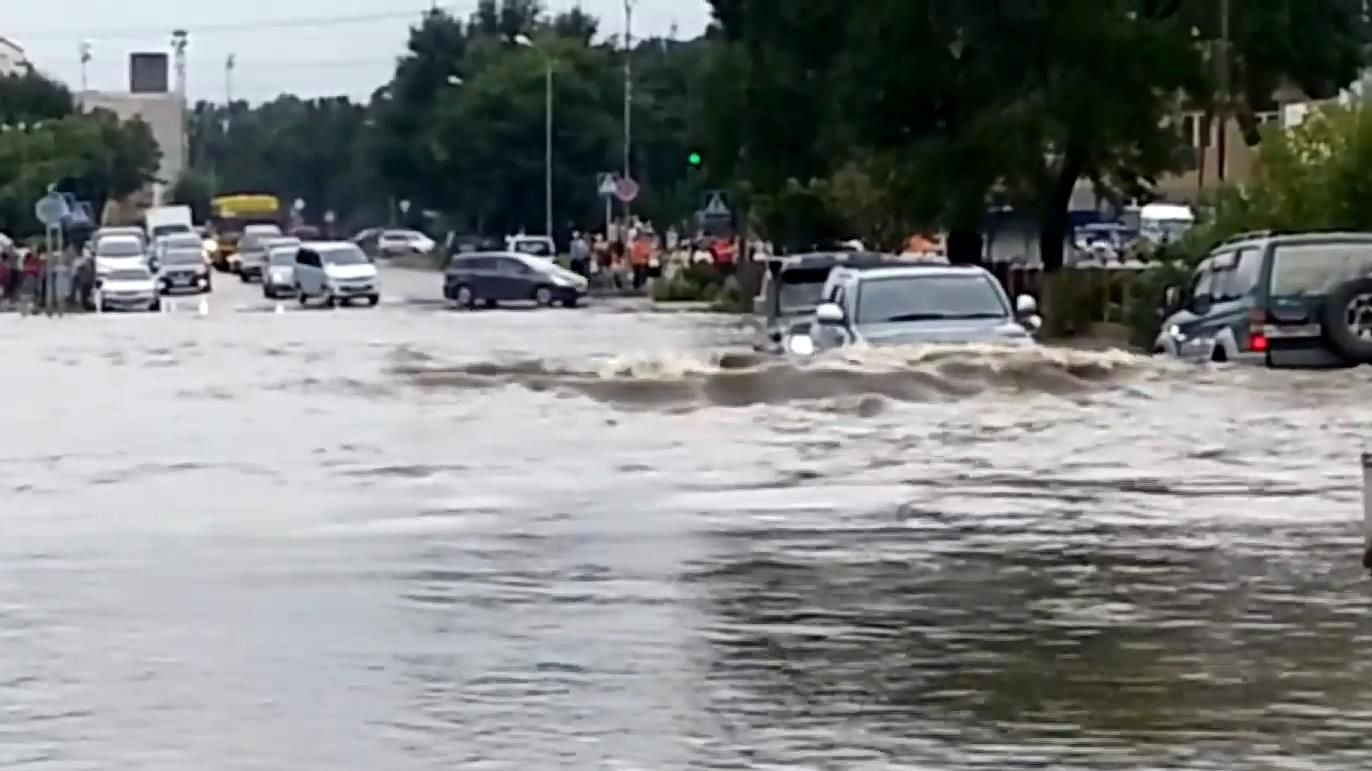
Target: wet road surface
(410, 538)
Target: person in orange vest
(639, 257)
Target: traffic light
(694, 159)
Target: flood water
(406, 538)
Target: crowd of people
(42, 281)
(640, 255)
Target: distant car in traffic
(495, 277)
(252, 250)
(336, 272)
(916, 304)
(1282, 300)
(399, 243)
(119, 251)
(181, 266)
(278, 280)
(128, 288)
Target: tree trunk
(1053, 218)
(964, 246)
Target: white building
(12, 58)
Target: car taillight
(1257, 337)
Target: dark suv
(495, 277)
(1298, 300)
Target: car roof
(835, 259)
(1308, 237)
(902, 271)
(326, 246)
(122, 237)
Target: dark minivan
(492, 278)
(1292, 300)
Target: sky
(305, 47)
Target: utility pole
(1223, 62)
(628, 94)
(229, 62)
(85, 51)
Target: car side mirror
(1026, 305)
(1033, 323)
(829, 313)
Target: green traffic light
(694, 159)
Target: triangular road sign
(606, 184)
(715, 206)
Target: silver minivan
(337, 272)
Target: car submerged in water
(793, 288)
(926, 303)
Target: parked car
(538, 246)
(495, 277)
(335, 271)
(279, 278)
(252, 250)
(1295, 300)
(128, 288)
(915, 304)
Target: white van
(336, 271)
(1165, 223)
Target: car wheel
(243, 277)
(543, 296)
(373, 300)
(301, 296)
(570, 302)
(1348, 320)
(331, 301)
(492, 304)
(463, 297)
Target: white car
(119, 252)
(335, 271)
(278, 279)
(129, 289)
(394, 243)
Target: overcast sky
(305, 47)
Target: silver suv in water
(931, 303)
(1296, 300)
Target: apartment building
(12, 57)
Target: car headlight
(800, 345)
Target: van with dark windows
(1295, 300)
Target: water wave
(907, 374)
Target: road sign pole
(609, 215)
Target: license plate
(1281, 332)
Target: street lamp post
(524, 40)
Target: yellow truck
(229, 214)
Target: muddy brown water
(412, 539)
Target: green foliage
(45, 142)
(1317, 176)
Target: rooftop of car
(919, 269)
(812, 260)
(325, 246)
(1297, 238)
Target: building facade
(13, 61)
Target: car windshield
(929, 298)
(801, 289)
(284, 256)
(406, 235)
(128, 274)
(162, 230)
(183, 256)
(182, 242)
(1300, 269)
(344, 256)
(119, 247)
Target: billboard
(148, 73)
